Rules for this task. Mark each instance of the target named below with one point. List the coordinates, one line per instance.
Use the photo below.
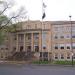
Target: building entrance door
(45, 56)
(21, 48)
(29, 51)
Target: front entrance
(21, 48)
(44, 56)
(29, 51)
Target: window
(36, 48)
(68, 56)
(36, 36)
(62, 47)
(21, 37)
(68, 47)
(73, 45)
(45, 54)
(62, 56)
(61, 37)
(56, 56)
(21, 48)
(73, 36)
(74, 56)
(56, 37)
(29, 48)
(56, 47)
(68, 36)
(28, 36)
(40, 54)
(44, 47)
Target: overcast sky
(55, 10)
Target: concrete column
(17, 43)
(32, 42)
(24, 43)
(10, 42)
(40, 42)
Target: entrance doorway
(44, 56)
(21, 48)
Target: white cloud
(56, 9)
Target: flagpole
(41, 31)
(43, 16)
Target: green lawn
(54, 62)
(41, 62)
(64, 62)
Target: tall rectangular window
(36, 36)
(56, 37)
(68, 56)
(56, 56)
(68, 46)
(74, 55)
(44, 39)
(73, 36)
(61, 46)
(61, 37)
(56, 46)
(62, 56)
(73, 45)
(21, 37)
(28, 35)
(68, 36)
(45, 54)
(36, 48)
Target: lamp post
(71, 39)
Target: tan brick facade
(52, 38)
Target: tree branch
(3, 11)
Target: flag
(43, 9)
(43, 16)
(44, 6)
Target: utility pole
(71, 39)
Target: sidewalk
(29, 63)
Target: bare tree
(12, 19)
(19, 16)
(5, 5)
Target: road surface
(36, 70)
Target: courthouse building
(47, 40)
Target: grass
(54, 62)
(41, 62)
(64, 62)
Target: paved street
(36, 70)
